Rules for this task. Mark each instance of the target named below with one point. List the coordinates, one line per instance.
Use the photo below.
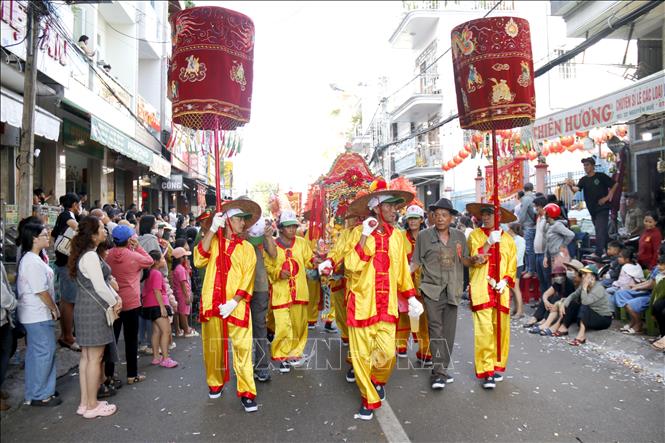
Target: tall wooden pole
(27, 146)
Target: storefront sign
(160, 166)
(52, 58)
(174, 183)
(148, 114)
(77, 137)
(644, 97)
(116, 140)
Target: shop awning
(644, 97)
(46, 124)
(107, 135)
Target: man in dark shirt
(67, 290)
(598, 192)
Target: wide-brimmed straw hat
(249, 210)
(476, 209)
(379, 193)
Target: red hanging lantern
(622, 131)
(567, 141)
(457, 159)
(477, 138)
(463, 154)
(468, 148)
(532, 155)
(582, 134)
(546, 150)
(451, 164)
(445, 167)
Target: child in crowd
(515, 230)
(156, 309)
(631, 273)
(182, 289)
(637, 299)
(647, 254)
(613, 249)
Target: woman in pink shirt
(127, 261)
(156, 309)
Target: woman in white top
(95, 295)
(37, 312)
(515, 230)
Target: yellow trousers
(338, 302)
(491, 341)
(290, 332)
(213, 355)
(421, 337)
(314, 288)
(372, 351)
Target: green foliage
(189, 4)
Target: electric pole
(27, 148)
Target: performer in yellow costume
(289, 296)
(378, 255)
(340, 281)
(414, 218)
(225, 296)
(490, 299)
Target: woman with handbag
(97, 307)
(37, 312)
(63, 230)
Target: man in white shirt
(173, 216)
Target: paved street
(552, 392)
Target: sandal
(560, 334)
(535, 330)
(51, 401)
(625, 328)
(576, 342)
(547, 332)
(103, 409)
(74, 346)
(137, 379)
(105, 391)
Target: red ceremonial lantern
(546, 150)
(567, 141)
(468, 148)
(211, 70)
(457, 159)
(445, 167)
(477, 138)
(532, 155)
(582, 134)
(451, 164)
(463, 154)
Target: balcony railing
(429, 155)
(425, 84)
(458, 5)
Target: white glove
(225, 309)
(495, 237)
(501, 285)
(369, 225)
(325, 268)
(218, 221)
(415, 307)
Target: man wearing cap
(441, 253)
(225, 297)
(490, 299)
(127, 261)
(378, 256)
(289, 298)
(414, 221)
(598, 192)
(260, 236)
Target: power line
(632, 16)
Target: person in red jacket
(650, 239)
(127, 261)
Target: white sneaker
(192, 333)
(172, 345)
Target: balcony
(418, 159)
(416, 102)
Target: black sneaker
(426, 362)
(105, 391)
(215, 392)
(438, 383)
(329, 328)
(284, 367)
(262, 375)
(364, 413)
(249, 404)
(350, 376)
(489, 383)
(381, 390)
(498, 376)
(270, 337)
(51, 401)
(448, 378)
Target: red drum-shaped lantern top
(494, 73)
(211, 72)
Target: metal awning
(46, 124)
